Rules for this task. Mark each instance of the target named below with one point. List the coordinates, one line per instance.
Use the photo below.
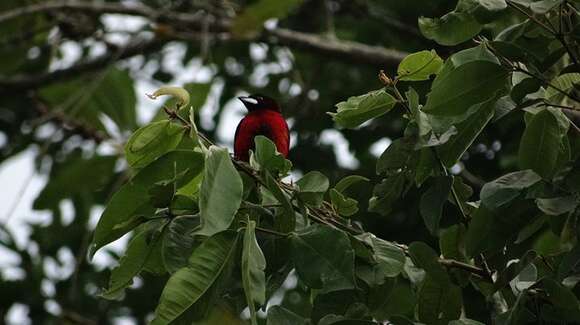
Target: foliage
(444, 237)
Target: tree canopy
(433, 176)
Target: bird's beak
(248, 100)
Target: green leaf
(128, 206)
(278, 315)
(512, 270)
(467, 131)
(345, 206)
(152, 141)
(287, 221)
(221, 192)
(451, 29)
(253, 265)
(250, 21)
(506, 188)
(419, 66)
(323, 258)
(398, 156)
(188, 285)
(425, 257)
(438, 301)
(348, 181)
(391, 259)
(267, 158)
(557, 205)
(357, 110)
(139, 251)
(469, 84)
(179, 242)
(312, 187)
(516, 315)
(539, 7)
(432, 201)
(565, 82)
(559, 295)
(540, 144)
(481, 225)
(387, 193)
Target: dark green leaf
(391, 259)
(469, 84)
(438, 301)
(188, 285)
(558, 205)
(467, 132)
(432, 201)
(425, 257)
(323, 258)
(281, 316)
(178, 242)
(506, 188)
(540, 144)
(128, 207)
(139, 250)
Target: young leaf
(188, 285)
(540, 144)
(357, 110)
(221, 192)
(152, 141)
(323, 258)
(128, 207)
(419, 66)
(253, 265)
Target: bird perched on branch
(264, 118)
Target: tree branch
(37, 80)
(343, 50)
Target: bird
(264, 118)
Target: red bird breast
(263, 118)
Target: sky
(21, 183)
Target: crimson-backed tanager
(264, 118)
